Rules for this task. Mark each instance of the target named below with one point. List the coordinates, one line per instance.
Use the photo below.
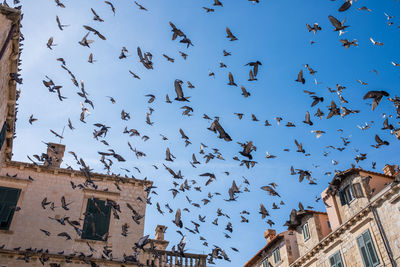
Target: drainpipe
(383, 235)
(10, 34)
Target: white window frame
(308, 236)
(277, 255)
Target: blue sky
(273, 32)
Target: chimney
(160, 230)
(55, 152)
(389, 170)
(269, 234)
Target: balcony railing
(161, 258)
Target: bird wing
(335, 22)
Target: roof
(258, 255)
(295, 217)
(14, 15)
(339, 177)
(53, 170)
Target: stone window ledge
(7, 232)
(100, 242)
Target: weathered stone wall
(389, 214)
(305, 246)
(5, 26)
(25, 228)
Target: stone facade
(372, 208)
(285, 242)
(9, 60)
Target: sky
(272, 32)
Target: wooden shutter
(358, 193)
(342, 197)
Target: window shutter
(357, 190)
(338, 259)
(342, 197)
(370, 248)
(332, 261)
(363, 251)
(3, 134)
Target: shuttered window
(336, 260)
(346, 195)
(8, 203)
(358, 193)
(367, 250)
(306, 232)
(97, 220)
(3, 134)
(265, 262)
(277, 255)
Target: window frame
(277, 255)
(308, 232)
(337, 259)
(364, 249)
(345, 194)
(265, 262)
(8, 204)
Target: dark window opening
(97, 220)
(8, 203)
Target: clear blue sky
(273, 32)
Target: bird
(140, 6)
(315, 28)
(346, 5)
(50, 43)
(339, 26)
(300, 78)
(32, 119)
(231, 81)
(230, 35)
(60, 26)
(376, 96)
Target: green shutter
(363, 251)
(8, 203)
(97, 219)
(332, 261)
(370, 248)
(338, 259)
(3, 134)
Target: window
(306, 232)
(277, 255)
(346, 195)
(265, 262)
(3, 134)
(336, 260)
(357, 190)
(97, 220)
(367, 250)
(8, 203)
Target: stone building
(55, 216)
(280, 250)
(360, 228)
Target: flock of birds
(245, 156)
